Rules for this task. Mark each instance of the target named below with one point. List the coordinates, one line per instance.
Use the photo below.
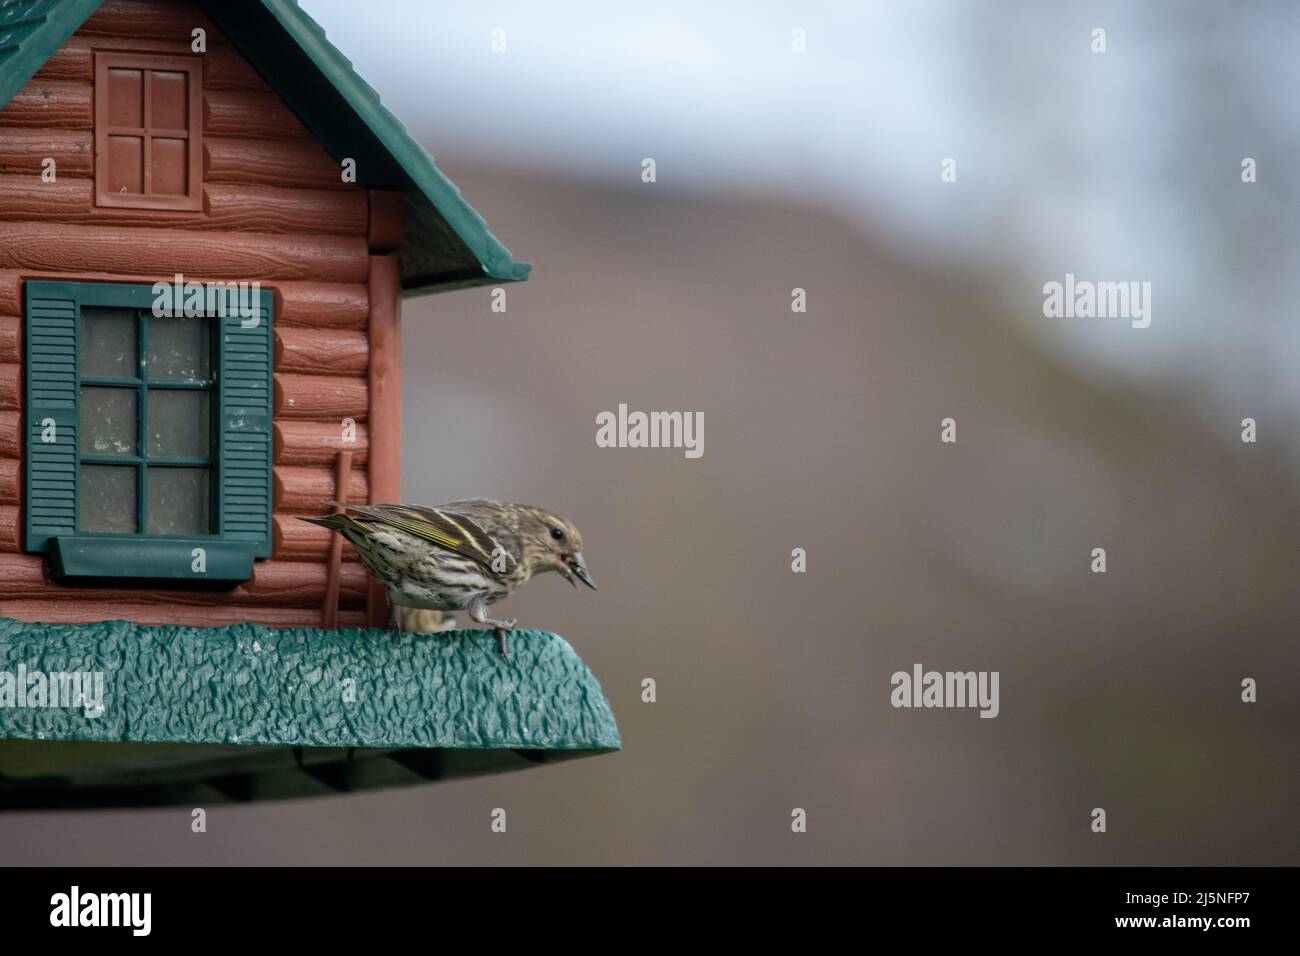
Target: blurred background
(821, 171)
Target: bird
(465, 555)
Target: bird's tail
(362, 510)
(338, 522)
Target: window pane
(170, 167)
(178, 423)
(108, 342)
(125, 164)
(107, 498)
(178, 348)
(125, 98)
(170, 100)
(178, 501)
(109, 421)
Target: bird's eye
(557, 534)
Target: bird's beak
(575, 566)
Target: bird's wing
(447, 529)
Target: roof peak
(447, 243)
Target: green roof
(245, 712)
(32, 31)
(447, 244)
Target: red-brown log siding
(275, 209)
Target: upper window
(148, 442)
(148, 131)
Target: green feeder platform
(200, 716)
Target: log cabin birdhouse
(208, 222)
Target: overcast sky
(1116, 166)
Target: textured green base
(247, 712)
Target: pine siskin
(464, 555)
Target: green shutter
(244, 458)
(51, 412)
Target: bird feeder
(208, 222)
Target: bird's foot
(478, 612)
(501, 627)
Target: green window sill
(151, 558)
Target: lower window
(145, 409)
(148, 438)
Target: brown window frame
(192, 201)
